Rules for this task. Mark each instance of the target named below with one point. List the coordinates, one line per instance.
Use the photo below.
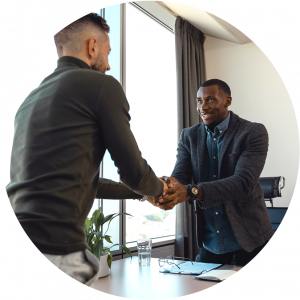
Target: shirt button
(214, 175)
(217, 231)
(220, 131)
(214, 157)
(214, 139)
(216, 213)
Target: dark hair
(222, 86)
(66, 37)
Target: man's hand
(155, 200)
(174, 195)
(170, 181)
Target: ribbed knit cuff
(162, 189)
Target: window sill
(156, 242)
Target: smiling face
(212, 105)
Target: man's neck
(81, 57)
(213, 126)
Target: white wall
(259, 95)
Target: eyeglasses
(170, 260)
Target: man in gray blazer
(224, 155)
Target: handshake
(173, 194)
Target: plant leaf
(126, 214)
(99, 221)
(95, 215)
(98, 248)
(87, 224)
(108, 218)
(126, 250)
(97, 233)
(109, 259)
(89, 239)
(107, 238)
(115, 215)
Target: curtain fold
(190, 69)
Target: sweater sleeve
(113, 113)
(108, 189)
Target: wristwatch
(193, 190)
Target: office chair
(272, 187)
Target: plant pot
(104, 269)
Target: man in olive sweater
(62, 131)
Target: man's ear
(228, 101)
(92, 48)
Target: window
(151, 93)
(112, 16)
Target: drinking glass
(144, 251)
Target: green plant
(93, 228)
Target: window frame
(156, 242)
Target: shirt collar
(222, 127)
(67, 60)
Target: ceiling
(210, 24)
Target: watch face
(194, 191)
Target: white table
(129, 279)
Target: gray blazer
(241, 160)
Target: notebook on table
(188, 268)
(216, 275)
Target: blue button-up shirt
(218, 236)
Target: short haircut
(222, 86)
(67, 37)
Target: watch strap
(143, 199)
(193, 191)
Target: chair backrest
(272, 186)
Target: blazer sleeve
(246, 175)
(183, 167)
(135, 173)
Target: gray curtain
(190, 69)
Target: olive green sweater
(62, 131)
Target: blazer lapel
(201, 143)
(229, 134)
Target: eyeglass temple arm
(182, 257)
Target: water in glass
(144, 256)
(144, 251)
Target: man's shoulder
(87, 80)
(245, 124)
(245, 130)
(191, 131)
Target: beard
(99, 64)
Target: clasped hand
(174, 193)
